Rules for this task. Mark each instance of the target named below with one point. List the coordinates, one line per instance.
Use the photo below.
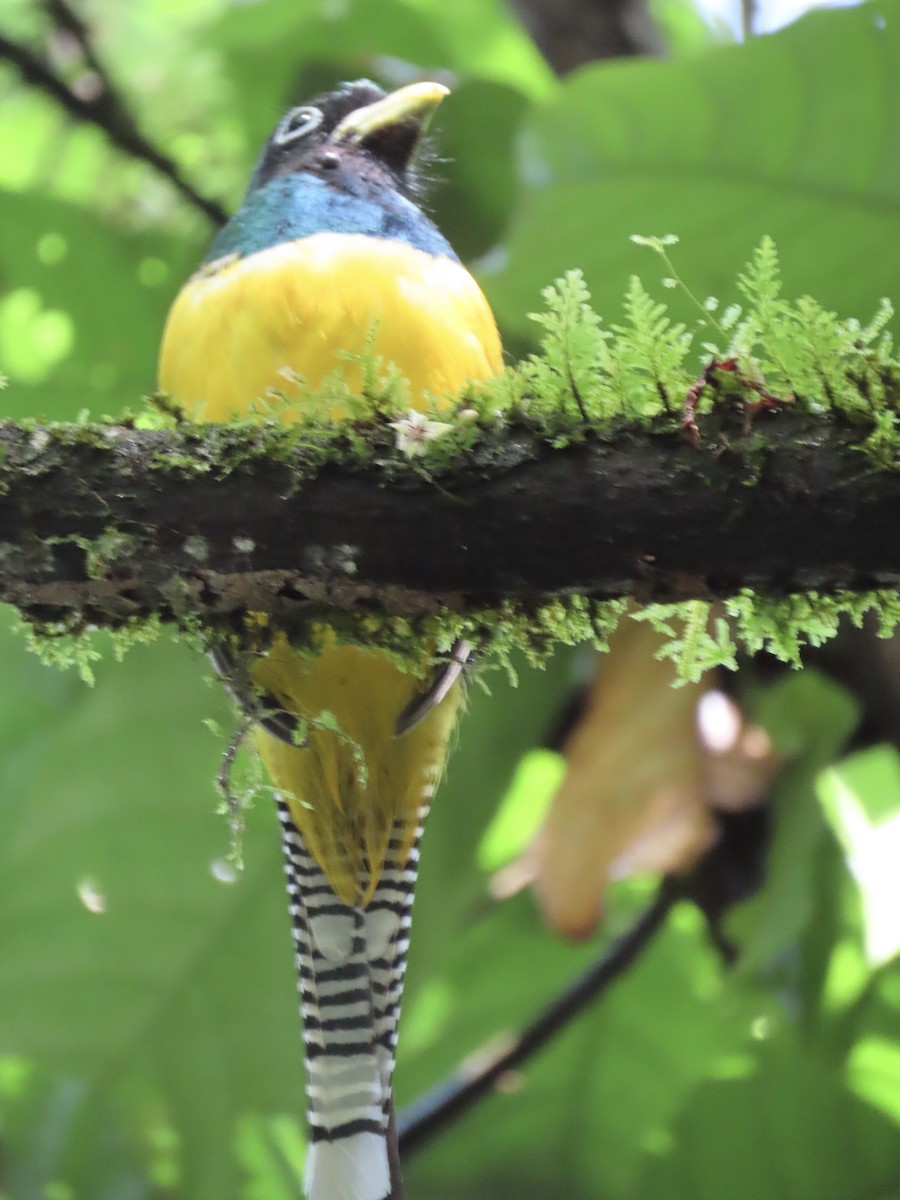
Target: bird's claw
(264, 709)
(444, 678)
(260, 706)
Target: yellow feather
(345, 811)
(233, 332)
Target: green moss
(63, 644)
(587, 381)
(697, 638)
(702, 635)
(784, 626)
(135, 633)
(112, 549)
(495, 635)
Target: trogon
(330, 257)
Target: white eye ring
(297, 124)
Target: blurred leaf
(499, 726)
(485, 37)
(788, 1128)
(873, 1072)
(538, 774)
(686, 28)
(793, 135)
(271, 1151)
(475, 134)
(178, 999)
(588, 1110)
(808, 719)
(632, 798)
(63, 264)
(861, 799)
(46, 1130)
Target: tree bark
(106, 523)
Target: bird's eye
(297, 124)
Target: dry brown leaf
(633, 788)
(641, 782)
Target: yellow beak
(411, 105)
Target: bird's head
(357, 131)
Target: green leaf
(538, 775)
(584, 1115)
(659, 147)
(873, 1072)
(809, 719)
(78, 326)
(861, 800)
(500, 725)
(789, 1128)
(476, 129)
(171, 996)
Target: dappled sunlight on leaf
(861, 799)
(673, 145)
(873, 1072)
(149, 1041)
(271, 1151)
(33, 339)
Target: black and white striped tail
(351, 962)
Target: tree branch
(423, 1119)
(104, 523)
(570, 33)
(105, 110)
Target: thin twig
(107, 111)
(67, 19)
(420, 1121)
(224, 779)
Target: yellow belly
(237, 331)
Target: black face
(301, 142)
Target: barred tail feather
(354, 1167)
(351, 963)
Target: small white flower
(414, 431)
(711, 303)
(669, 282)
(4, 381)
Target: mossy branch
(617, 462)
(101, 524)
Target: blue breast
(298, 205)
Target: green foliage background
(152, 1050)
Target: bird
(330, 257)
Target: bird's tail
(351, 962)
